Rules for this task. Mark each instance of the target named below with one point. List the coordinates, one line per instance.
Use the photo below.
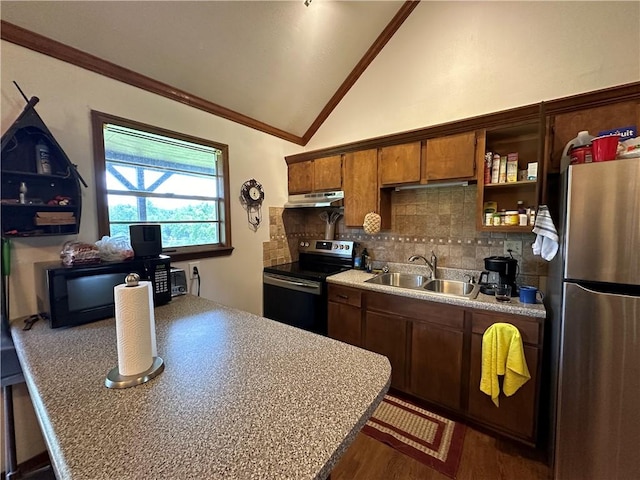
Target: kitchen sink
(453, 287)
(403, 280)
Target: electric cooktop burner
(318, 260)
(298, 270)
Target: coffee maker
(506, 268)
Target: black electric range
(318, 260)
(296, 293)
(301, 270)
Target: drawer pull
(340, 295)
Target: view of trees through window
(154, 178)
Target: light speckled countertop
(357, 279)
(241, 397)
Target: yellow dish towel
(502, 354)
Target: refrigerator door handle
(606, 288)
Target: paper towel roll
(135, 328)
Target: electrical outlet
(193, 265)
(514, 245)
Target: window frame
(224, 247)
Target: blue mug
(528, 294)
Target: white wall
(67, 95)
(454, 60)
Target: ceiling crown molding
(39, 43)
(47, 46)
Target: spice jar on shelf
(511, 218)
(523, 218)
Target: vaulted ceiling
(277, 66)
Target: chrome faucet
(433, 264)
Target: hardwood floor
(483, 458)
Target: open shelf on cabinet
(507, 229)
(521, 183)
(525, 139)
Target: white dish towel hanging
(546, 244)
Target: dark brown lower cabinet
(436, 364)
(387, 335)
(435, 351)
(516, 414)
(344, 314)
(345, 323)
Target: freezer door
(598, 418)
(603, 222)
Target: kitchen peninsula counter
(241, 397)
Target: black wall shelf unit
(37, 201)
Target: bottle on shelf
(523, 218)
(357, 260)
(364, 259)
(581, 142)
(43, 162)
(23, 193)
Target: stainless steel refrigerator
(594, 291)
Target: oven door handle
(314, 288)
(299, 284)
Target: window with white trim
(146, 174)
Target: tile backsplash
(441, 220)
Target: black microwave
(69, 296)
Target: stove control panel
(326, 247)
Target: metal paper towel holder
(115, 379)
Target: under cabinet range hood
(320, 199)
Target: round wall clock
(252, 192)
(251, 196)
